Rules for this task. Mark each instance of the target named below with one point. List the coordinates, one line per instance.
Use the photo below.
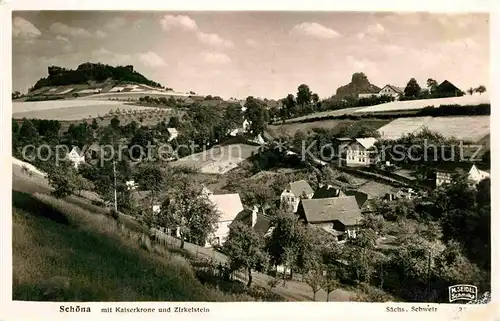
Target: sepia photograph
(239, 156)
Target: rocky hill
(89, 73)
(359, 85)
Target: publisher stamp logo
(463, 292)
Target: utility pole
(114, 174)
(429, 276)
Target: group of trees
(435, 90)
(305, 102)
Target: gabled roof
(322, 210)
(446, 85)
(77, 150)
(172, 131)
(298, 188)
(396, 89)
(262, 225)
(229, 205)
(361, 197)
(367, 143)
(454, 166)
(327, 191)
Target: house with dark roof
(361, 197)
(446, 171)
(340, 216)
(259, 222)
(447, 89)
(294, 193)
(327, 191)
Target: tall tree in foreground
(245, 249)
(187, 208)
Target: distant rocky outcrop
(92, 72)
(359, 85)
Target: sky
(263, 54)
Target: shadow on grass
(30, 204)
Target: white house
(387, 90)
(246, 126)
(229, 206)
(360, 152)
(294, 193)
(173, 133)
(76, 157)
(390, 90)
(445, 172)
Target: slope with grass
(69, 256)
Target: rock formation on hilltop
(92, 72)
(359, 85)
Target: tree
(470, 91)
(330, 282)
(257, 115)
(115, 123)
(289, 108)
(187, 208)
(480, 89)
(283, 244)
(432, 84)
(174, 122)
(304, 95)
(245, 248)
(412, 89)
(315, 279)
(16, 94)
(82, 184)
(94, 125)
(62, 179)
(28, 133)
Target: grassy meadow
(62, 252)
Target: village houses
(446, 171)
(294, 193)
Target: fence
(206, 262)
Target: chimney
(254, 215)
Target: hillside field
(290, 129)
(468, 128)
(421, 103)
(63, 252)
(219, 159)
(328, 113)
(70, 110)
